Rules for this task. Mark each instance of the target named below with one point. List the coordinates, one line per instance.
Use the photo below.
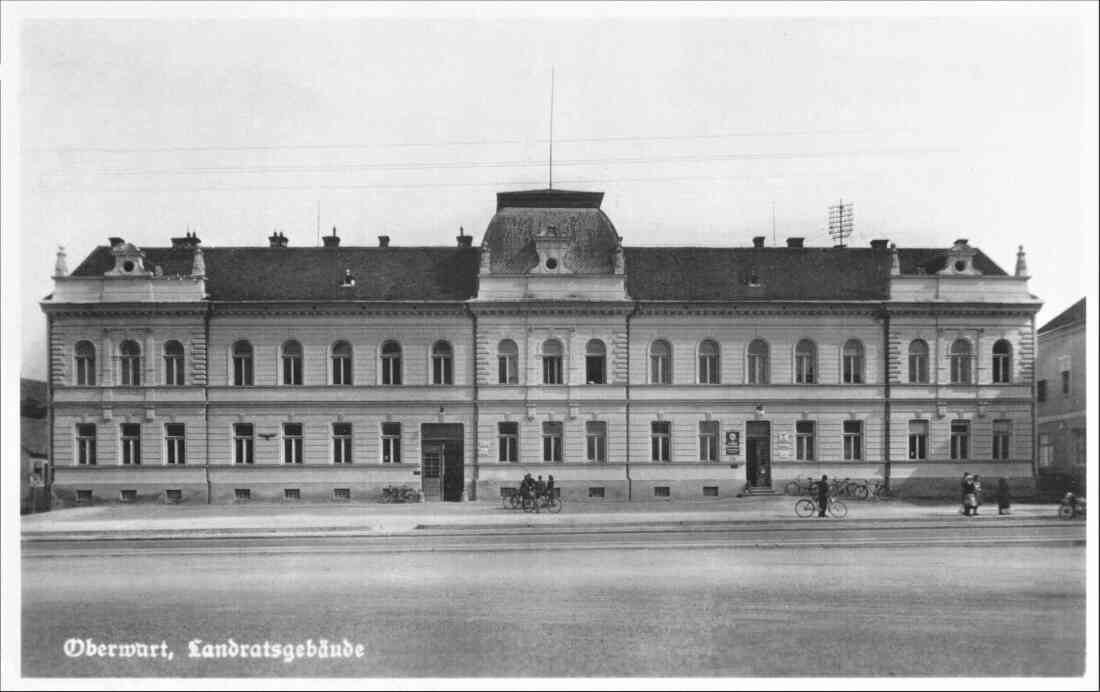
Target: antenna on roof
(841, 220)
(551, 174)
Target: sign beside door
(733, 442)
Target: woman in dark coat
(1003, 500)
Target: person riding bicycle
(822, 495)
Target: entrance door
(431, 472)
(441, 461)
(758, 454)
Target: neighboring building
(1060, 393)
(187, 373)
(34, 440)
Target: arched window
(708, 362)
(595, 362)
(660, 362)
(507, 362)
(443, 363)
(242, 363)
(960, 362)
(173, 363)
(918, 362)
(805, 362)
(552, 362)
(852, 365)
(292, 362)
(759, 365)
(130, 363)
(1002, 362)
(341, 363)
(85, 363)
(391, 363)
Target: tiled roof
(1072, 315)
(450, 273)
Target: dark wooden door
(758, 454)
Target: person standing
(1003, 500)
(822, 495)
(965, 487)
(977, 493)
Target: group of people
(972, 495)
(536, 488)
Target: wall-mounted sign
(783, 446)
(733, 442)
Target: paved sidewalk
(172, 521)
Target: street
(750, 601)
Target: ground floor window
(292, 443)
(853, 440)
(918, 439)
(596, 441)
(1046, 451)
(174, 443)
(804, 440)
(85, 444)
(1078, 437)
(552, 441)
(243, 443)
(391, 443)
(341, 443)
(660, 436)
(508, 442)
(708, 440)
(1002, 437)
(960, 439)
(131, 443)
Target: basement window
(292, 494)
(596, 492)
(84, 496)
(127, 495)
(710, 491)
(173, 495)
(660, 491)
(341, 493)
(242, 493)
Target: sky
(701, 130)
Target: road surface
(748, 601)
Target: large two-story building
(1061, 388)
(194, 374)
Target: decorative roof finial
(61, 267)
(198, 265)
(1021, 264)
(895, 263)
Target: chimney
(61, 267)
(794, 242)
(115, 242)
(758, 241)
(189, 240)
(879, 244)
(383, 241)
(961, 241)
(1021, 263)
(277, 239)
(463, 239)
(332, 240)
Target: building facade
(192, 374)
(1060, 393)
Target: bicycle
(857, 488)
(795, 487)
(535, 504)
(878, 491)
(807, 507)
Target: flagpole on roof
(551, 175)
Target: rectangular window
(292, 493)
(1065, 383)
(175, 443)
(710, 491)
(442, 369)
(507, 369)
(341, 493)
(918, 439)
(173, 495)
(660, 491)
(1041, 391)
(552, 441)
(596, 448)
(708, 440)
(85, 444)
(85, 371)
(1002, 439)
(708, 368)
(242, 371)
(341, 443)
(960, 439)
(341, 370)
(660, 370)
(597, 491)
(173, 370)
(758, 368)
(243, 443)
(1001, 374)
(960, 369)
(131, 443)
(127, 495)
(391, 443)
(1078, 451)
(242, 493)
(660, 440)
(853, 369)
(508, 442)
(804, 440)
(1046, 451)
(292, 443)
(391, 369)
(853, 440)
(551, 370)
(594, 367)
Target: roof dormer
(960, 260)
(129, 259)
